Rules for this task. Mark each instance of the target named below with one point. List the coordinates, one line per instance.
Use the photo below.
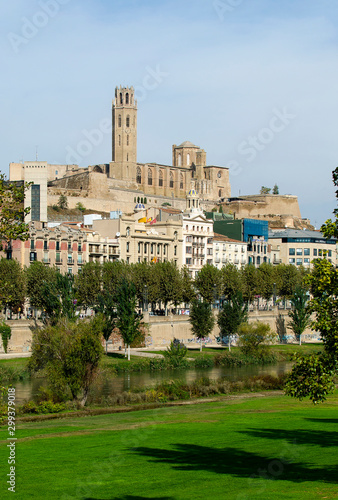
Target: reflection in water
(113, 385)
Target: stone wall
(263, 205)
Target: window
(127, 98)
(45, 245)
(69, 270)
(330, 253)
(220, 193)
(179, 160)
(292, 251)
(150, 177)
(171, 180)
(58, 257)
(306, 251)
(175, 250)
(128, 244)
(69, 246)
(188, 249)
(35, 202)
(138, 175)
(139, 247)
(57, 245)
(128, 231)
(128, 121)
(188, 159)
(292, 261)
(160, 178)
(188, 261)
(152, 248)
(32, 244)
(164, 249)
(315, 252)
(79, 247)
(158, 249)
(70, 259)
(121, 98)
(79, 259)
(299, 262)
(145, 247)
(120, 121)
(299, 251)
(320, 253)
(306, 261)
(181, 182)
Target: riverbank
(248, 446)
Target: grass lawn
(270, 447)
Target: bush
(204, 361)
(254, 337)
(176, 350)
(6, 334)
(44, 407)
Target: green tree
(170, 283)
(265, 190)
(250, 282)
(12, 211)
(60, 298)
(88, 283)
(312, 376)
(275, 189)
(105, 310)
(288, 277)
(6, 333)
(128, 321)
(299, 314)
(254, 338)
(266, 280)
(63, 202)
(37, 275)
(231, 280)
(202, 319)
(80, 207)
(188, 289)
(69, 353)
(209, 282)
(113, 273)
(234, 312)
(12, 285)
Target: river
(113, 385)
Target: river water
(113, 385)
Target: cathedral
(189, 169)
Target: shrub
(254, 337)
(44, 407)
(176, 350)
(6, 334)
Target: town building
(229, 251)
(301, 247)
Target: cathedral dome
(188, 144)
(192, 192)
(139, 207)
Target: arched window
(127, 157)
(188, 159)
(120, 121)
(220, 193)
(128, 121)
(138, 175)
(171, 180)
(150, 177)
(127, 140)
(181, 181)
(160, 178)
(127, 98)
(179, 160)
(121, 98)
(128, 231)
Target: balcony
(70, 262)
(217, 260)
(81, 263)
(58, 262)
(46, 261)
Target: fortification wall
(264, 205)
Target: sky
(252, 82)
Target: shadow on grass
(132, 497)
(116, 355)
(238, 463)
(323, 420)
(297, 436)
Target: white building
(228, 251)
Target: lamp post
(145, 298)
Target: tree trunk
(229, 343)
(201, 346)
(128, 352)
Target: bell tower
(124, 140)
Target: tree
(88, 283)
(12, 211)
(275, 189)
(265, 190)
(59, 298)
(266, 280)
(6, 333)
(106, 314)
(128, 321)
(37, 274)
(300, 314)
(188, 289)
(202, 319)
(234, 312)
(170, 284)
(254, 337)
(312, 376)
(231, 280)
(208, 282)
(69, 353)
(12, 285)
(250, 282)
(288, 277)
(80, 207)
(63, 202)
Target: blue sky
(254, 83)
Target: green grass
(269, 447)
